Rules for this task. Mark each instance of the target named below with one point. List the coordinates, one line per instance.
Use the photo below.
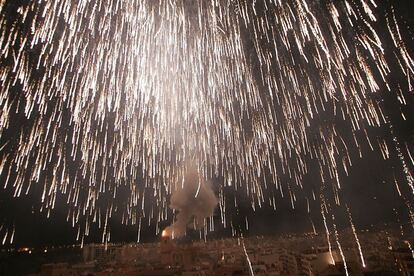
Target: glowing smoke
(194, 200)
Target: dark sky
(369, 189)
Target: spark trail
(120, 94)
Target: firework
(102, 96)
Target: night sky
(369, 189)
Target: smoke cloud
(194, 200)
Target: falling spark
(251, 273)
(356, 237)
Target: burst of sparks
(121, 94)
